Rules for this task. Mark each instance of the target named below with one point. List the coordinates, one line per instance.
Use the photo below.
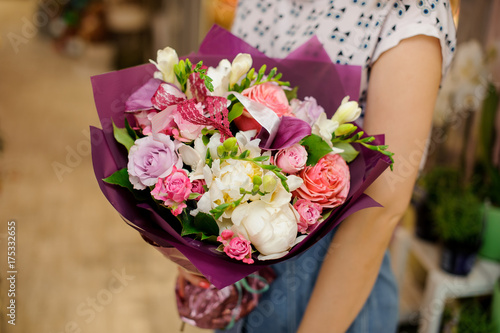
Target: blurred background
(80, 268)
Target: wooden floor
(80, 268)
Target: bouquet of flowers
(224, 160)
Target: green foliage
(291, 94)
(121, 178)
(202, 226)
(316, 148)
(126, 136)
(458, 218)
(454, 207)
(253, 79)
(236, 111)
(184, 68)
(487, 175)
(349, 153)
(474, 318)
(358, 137)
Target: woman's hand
(195, 279)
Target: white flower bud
(347, 112)
(166, 60)
(240, 66)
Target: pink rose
(268, 94)
(173, 189)
(238, 248)
(225, 235)
(292, 159)
(326, 183)
(310, 213)
(198, 187)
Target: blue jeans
(281, 308)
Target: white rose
(272, 230)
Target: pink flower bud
(293, 159)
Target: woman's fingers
(196, 280)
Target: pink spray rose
(326, 183)
(292, 159)
(198, 187)
(151, 158)
(268, 94)
(238, 248)
(173, 190)
(310, 213)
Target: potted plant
(468, 315)
(456, 213)
(486, 178)
(495, 307)
(427, 193)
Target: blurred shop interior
(446, 252)
(136, 28)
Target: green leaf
(202, 225)
(291, 94)
(130, 131)
(349, 153)
(316, 148)
(260, 158)
(193, 196)
(122, 136)
(236, 111)
(121, 178)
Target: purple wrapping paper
(309, 68)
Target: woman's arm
(402, 91)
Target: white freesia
(240, 66)
(325, 127)
(245, 142)
(220, 77)
(272, 230)
(166, 60)
(195, 157)
(224, 181)
(347, 112)
(279, 196)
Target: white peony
(224, 181)
(272, 230)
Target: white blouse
(354, 32)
